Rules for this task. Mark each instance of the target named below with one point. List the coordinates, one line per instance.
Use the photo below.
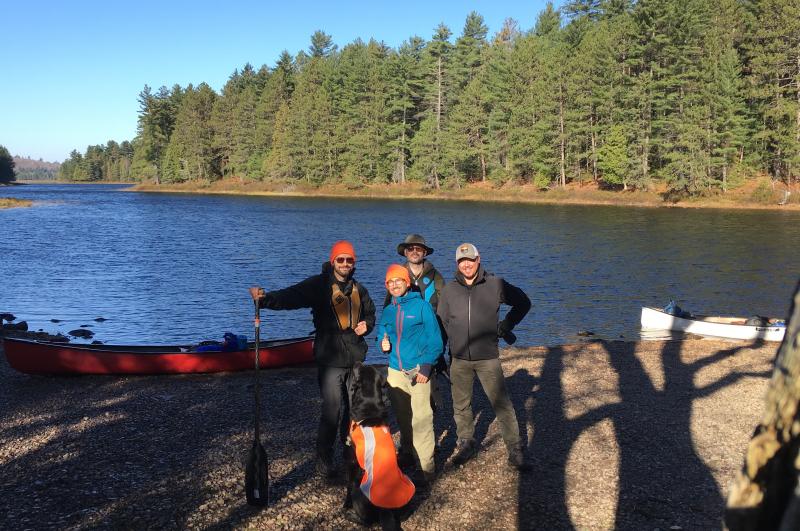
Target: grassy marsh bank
(8, 202)
(754, 196)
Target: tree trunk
(438, 120)
(594, 149)
(763, 493)
(797, 129)
(403, 150)
(562, 139)
(724, 178)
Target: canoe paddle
(256, 473)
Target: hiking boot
(352, 516)
(516, 458)
(465, 450)
(325, 466)
(405, 459)
(423, 481)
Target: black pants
(335, 415)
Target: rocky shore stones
(620, 435)
(81, 333)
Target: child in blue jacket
(409, 334)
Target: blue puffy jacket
(413, 331)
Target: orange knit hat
(398, 271)
(342, 247)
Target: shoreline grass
(478, 192)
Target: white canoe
(726, 327)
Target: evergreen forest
(693, 96)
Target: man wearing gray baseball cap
(469, 307)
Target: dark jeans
(335, 415)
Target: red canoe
(42, 357)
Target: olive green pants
(412, 407)
(490, 374)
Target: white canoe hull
(725, 327)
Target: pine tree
(69, 168)
(321, 44)
(429, 159)
(234, 123)
(548, 22)
(276, 93)
(729, 127)
(468, 54)
(311, 141)
(244, 157)
(190, 152)
(405, 85)
(467, 131)
(156, 120)
(7, 173)
(613, 158)
(280, 163)
(539, 105)
(775, 67)
(498, 89)
(361, 108)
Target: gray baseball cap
(467, 250)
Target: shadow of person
(539, 404)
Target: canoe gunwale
(45, 357)
(150, 349)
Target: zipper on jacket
(398, 326)
(469, 319)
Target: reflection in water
(175, 268)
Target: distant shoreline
(476, 192)
(573, 195)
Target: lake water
(175, 268)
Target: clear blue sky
(72, 71)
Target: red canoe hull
(38, 357)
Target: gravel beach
(620, 435)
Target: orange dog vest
(384, 484)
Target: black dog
(377, 490)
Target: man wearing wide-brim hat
(428, 282)
(424, 277)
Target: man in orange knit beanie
(343, 314)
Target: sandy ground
(620, 435)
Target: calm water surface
(174, 268)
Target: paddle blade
(256, 476)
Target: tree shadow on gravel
(161, 452)
(662, 481)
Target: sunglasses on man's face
(345, 260)
(415, 249)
